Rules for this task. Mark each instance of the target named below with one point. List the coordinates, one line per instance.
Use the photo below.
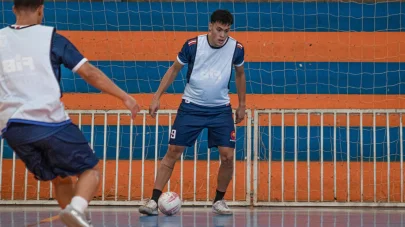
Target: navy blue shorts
(63, 153)
(191, 119)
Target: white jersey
(209, 70)
(29, 86)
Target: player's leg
(68, 154)
(224, 177)
(77, 200)
(166, 168)
(225, 171)
(88, 184)
(64, 190)
(163, 175)
(185, 131)
(221, 134)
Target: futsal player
(33, 120)
(205, 104)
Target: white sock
(79, 203)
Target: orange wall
(315, 167)
(260, 46)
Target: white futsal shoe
(150, 208)
(73, 218)
(221, 208)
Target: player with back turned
(33, 120)
(205, 104)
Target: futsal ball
(169, 203)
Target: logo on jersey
(18, 64)
(211, 75)
(233, 136)
(240, 46)
(192, 42)
(173, 134)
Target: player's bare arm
(241, 89)
(168, 79)
(99, 80)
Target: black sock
(156, 194)
(219, 196)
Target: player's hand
(240, 114)
(131, 105)
(154, 107)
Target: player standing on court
(33, 120)
(205, 104)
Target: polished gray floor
(191, 217)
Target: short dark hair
(222, 16)
(28, 4)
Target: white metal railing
(381, 170)
(14, 193)
(346, 176)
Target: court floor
(13, 216)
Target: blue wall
(192, 16)
(315, 143)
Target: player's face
(219, 33)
